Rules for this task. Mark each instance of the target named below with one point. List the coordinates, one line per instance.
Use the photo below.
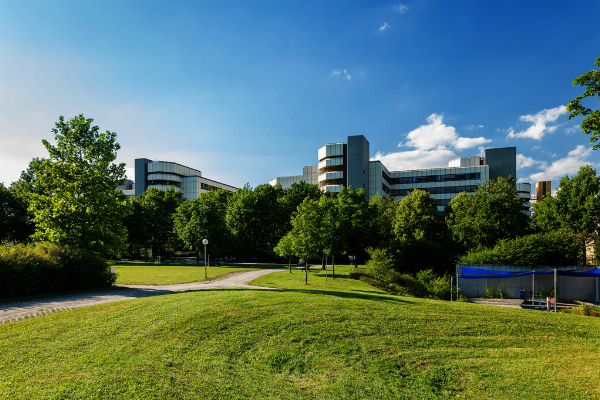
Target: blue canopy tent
(475, 273)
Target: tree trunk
(290, 265)
(323, 261)
(333, 267)
(197, 256)
(306, 273)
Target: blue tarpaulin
(474, 273)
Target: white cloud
(337, 73)
(467, 143)
(565, 166)
(401, 8)
(540, 123)
(433, 143)
(438, 135)
(572, 129)
(415, 159)
(525, 162)
(471, 127)
(384, 27)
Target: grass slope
(335, 339)
(146, 273)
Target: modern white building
(163, 175)
(348, 164)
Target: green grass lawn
(335, 339)
(148, 273)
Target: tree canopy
(575, 208)
(490, 214)
(204, 218)
(417, 217)
(591, 123)
(75, 201)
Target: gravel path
(21, 310)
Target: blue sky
(249, 90)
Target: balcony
(331, 164)
(330, 177)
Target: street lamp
(204, 242)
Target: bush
(554, 249)
(381, 273)
(31, 269)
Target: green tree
(204, 218)
(137, 232)
(492, 213)
(356, 221)
(306, 234)
(417, 217)
(384, 209)
(575, 208)
(158, 207)
(591, 123)
(15, 224)
(286, 248)
(257, 218)
(76, 202)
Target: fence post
(555, 296)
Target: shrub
(546, 292)
(31, 269)
(553, 248)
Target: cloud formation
(384, 27)
(415, 159)
(540, 123)
(526, 162)
(565, 166)
(435, 144)
(342, 73)
(471, 127)
(573, 129)
(401, 8)
(438, 135)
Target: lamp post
(204, 242)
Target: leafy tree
(76, 202)
(417, 217)
(591, 123)
(297, 192)
(158, 207)
(286, 248)
(384, 209)
(492, 213)
(355, 216)
(137, 227)
(257, 218)
(204, 218)
(15, 224)
(306, 234)
(576, 207)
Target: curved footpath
(32, 308)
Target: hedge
(31, 269)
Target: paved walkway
(31, 308)
(524, 304)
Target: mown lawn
(335, 339)
(148, 273)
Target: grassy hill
(335, 339)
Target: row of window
(434, 190)
(431, 178)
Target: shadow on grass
(347, 295)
